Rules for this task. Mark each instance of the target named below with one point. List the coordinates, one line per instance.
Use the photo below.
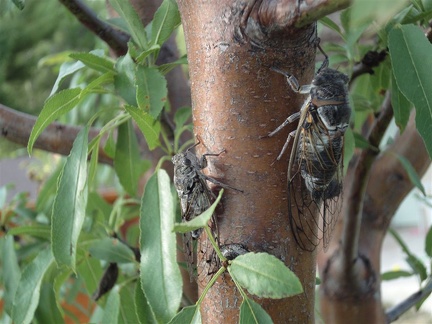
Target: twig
(351, 231)
(116, 40)
(57, 138)
(395, 312)
(369, 61)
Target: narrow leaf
(129, 15)
(111, 250)
(124, 80)
(112, 307)
(95, 62)
(251, 312)
(166, 19)
(391, 275)
(143, 310)
(127, 310)
(199, 221)
(149, 126)
(160, 276)
(66, 69)
(410, 53)
(127, 160)
(165, 68)
(11, 272)
(188, 315)
(428, 243)
(57, 105)
(70, 203)
(28, 290)
(151, 90)
(264, 275)
(412, 174)
(401, 106)
(35, 230)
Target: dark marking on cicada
(194, 193)
(316, 155)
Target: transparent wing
(316, 184)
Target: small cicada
(317, 154)
(195, 196)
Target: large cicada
(316, 155)
(193, 191)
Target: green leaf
(165, 68)
(47, 310)
(55, 106)
(416, 265)
(129, 15)
(410, 53)
(251, 312)
(66, 69)
(127, 160)
(124, 80)
(166, 19)
(93, 86)
(11, 272)
(182, 115)
(143, 310)
(428, 243)
(264, 275)
(412, 174)
(112, 307)
(28, 290)
(95, 62)
(363, 143)
(199, 221)
(144, 54)
(189, 314)
(111, 250)
(401, 106)
(20, 4)
(160, 275)
(35, 230)
(70, 203)
(391, 275)
(151, 94)
(326, 21)
(149, 126)
(90, 272)
(127, 310)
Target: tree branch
(261, 17)
(395, 312)
(115, 39)
(369, 61)
(57, 138)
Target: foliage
(66, 245)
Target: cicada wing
(315, 188)
(302, 213)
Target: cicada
(193, 191)
(316, 155)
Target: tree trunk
(236, 99)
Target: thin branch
(57, 138)
(369, 61)
(116, 39)
(356, 193)
(395, 312)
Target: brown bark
(237, 99)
